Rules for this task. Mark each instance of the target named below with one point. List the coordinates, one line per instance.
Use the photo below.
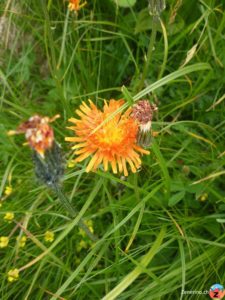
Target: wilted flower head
(38, 133)
(107, 138)
(142, 112)
(76, 5)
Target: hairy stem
(67, 205)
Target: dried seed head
(142, 112)
(156, 7)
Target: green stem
(149, 53)
(67, 205)
(165, 50)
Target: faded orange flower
(76, 5)
(38, 133)
(114, 141)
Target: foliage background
(173, 210)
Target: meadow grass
(160, 230)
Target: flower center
(110, 135)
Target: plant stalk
(149, 53)
(67, 205)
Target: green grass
(156, 236)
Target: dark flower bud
(50, 168)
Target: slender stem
(149, 53)
(165, 50)
(67, 205)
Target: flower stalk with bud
(48, 159)
(155, 9)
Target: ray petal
(81, 145)
(120, 165)
(81, 151)
(92, 162)
(133, 169)
(74, 120)
(124, 167)
(114, 167)
(74, 139)
(105, 163)
(139, 149)
(98, 162)
(83, 156)
(79, 113)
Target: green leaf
(144, 22)
(125, 3)
(176, 198)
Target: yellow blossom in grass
(8, 190)
(203, 197)
(49, 236)
(4, 240)
(21, 241)
(13, 275)
(9, 216)
(75, 5)
(113, 143)
(71, 164)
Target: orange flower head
(76, 5)
(109, 137)
(38, 133)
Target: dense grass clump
(160, 230)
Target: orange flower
(114, 142)
(38, 133)
(75, 5)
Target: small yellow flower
(21, 241)
(13, 275)
(9, 216)
(71, 164)
(203, 197)
(49, 236)
(4, 240)
(8, 190)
